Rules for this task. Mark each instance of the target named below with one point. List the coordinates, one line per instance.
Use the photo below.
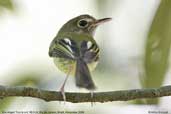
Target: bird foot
(63, 94)
(92, 95)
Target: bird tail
(83, 76)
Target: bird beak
(101, 21)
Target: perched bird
(75, 52)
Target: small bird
(75, 52)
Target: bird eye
(82, 23)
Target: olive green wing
(61, 48)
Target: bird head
(83, 24)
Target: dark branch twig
(123, 95)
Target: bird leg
(62, 89)
(92, 95)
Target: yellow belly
(64, 65)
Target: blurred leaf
(158, 48)
(6, 4)
(23, 79)
(28, 78)
(5, 103)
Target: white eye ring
(82, 23)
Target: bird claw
(92, 95)
(63, 94)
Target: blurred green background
(135, 51)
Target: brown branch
(123, 95)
